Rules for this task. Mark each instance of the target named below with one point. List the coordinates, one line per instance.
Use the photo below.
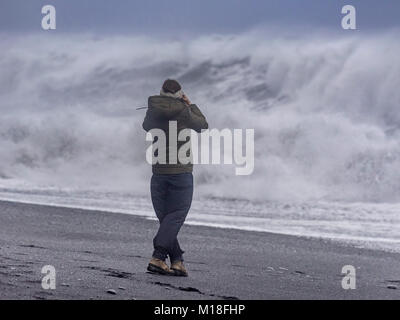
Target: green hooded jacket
(161, 110)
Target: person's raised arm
(148, 124)
(195, 119)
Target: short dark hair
(171, 86)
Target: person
(171, 183)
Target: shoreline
(370, 243)
(94, 251)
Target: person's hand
(186, 99)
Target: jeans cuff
(159, 254)
(176, 259)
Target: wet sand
(93, 252)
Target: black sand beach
(96, 251)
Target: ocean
(324, 109)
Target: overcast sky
(196, 16)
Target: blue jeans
(171, 195)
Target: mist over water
(324, 110)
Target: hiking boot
(179, 269)
(160, 267)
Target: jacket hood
(164, 106)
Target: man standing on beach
(172, 182)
